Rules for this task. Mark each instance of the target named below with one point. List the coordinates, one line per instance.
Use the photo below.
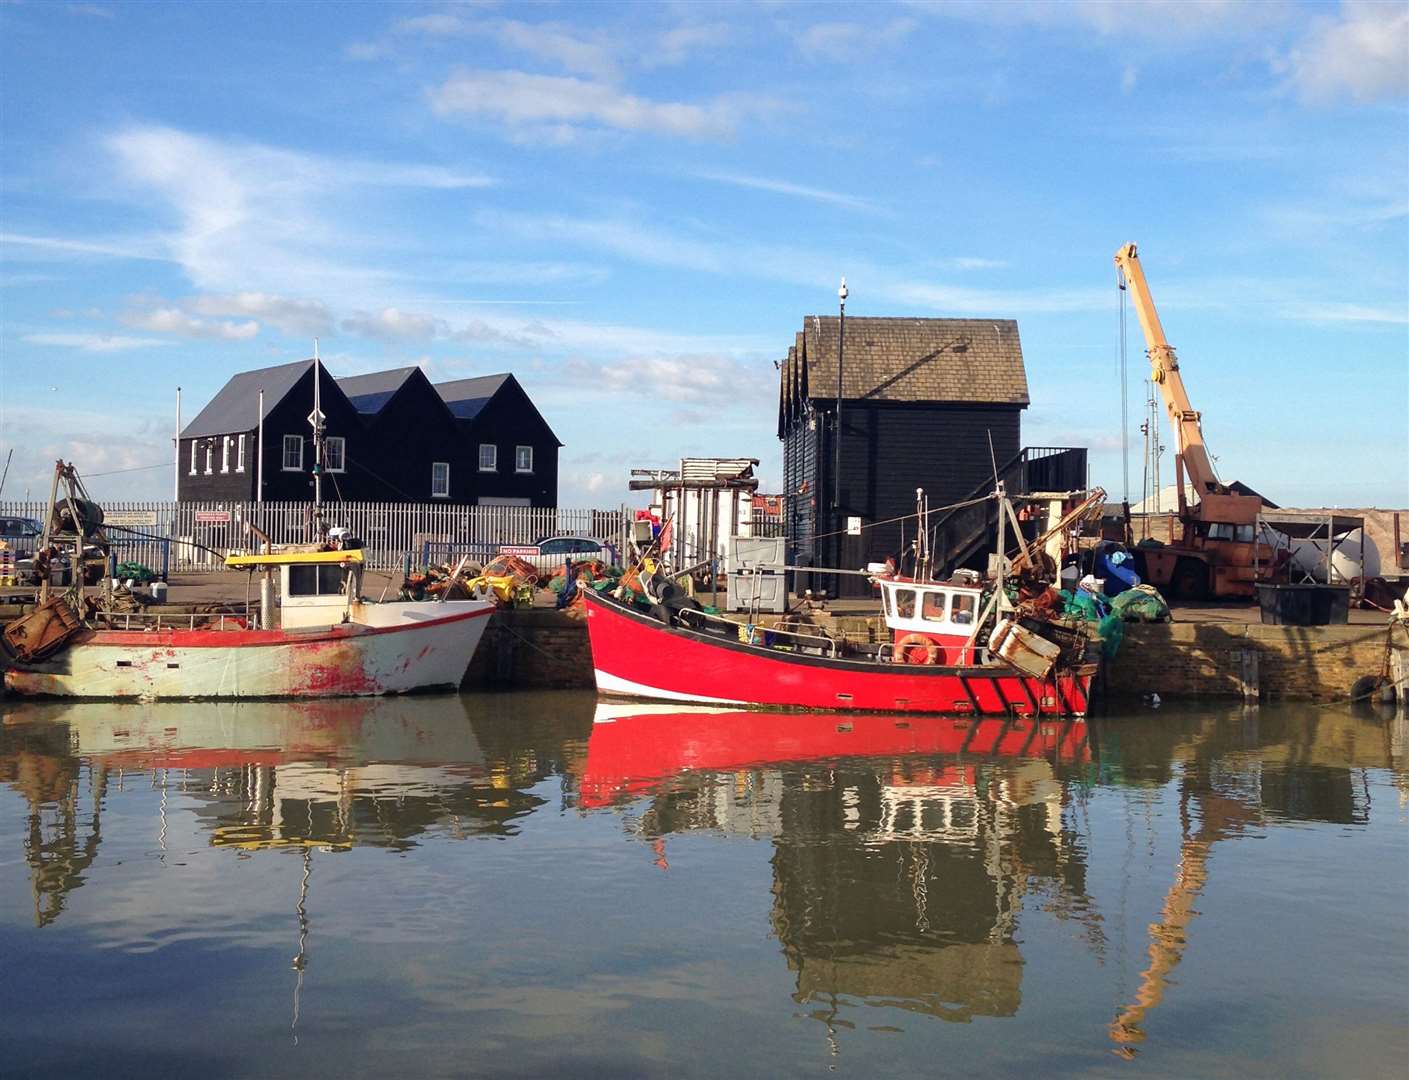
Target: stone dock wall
(539, 649)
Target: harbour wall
(537, 648)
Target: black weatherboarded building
(390, 436)
(920, 400)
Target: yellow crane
(1214, 557)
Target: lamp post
(841, 354)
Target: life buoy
(916, 649)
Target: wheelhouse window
(962, 608)
(904, 603)
(315, 580)
(335, 453)
(225, 454)
(523, 459)
(488, 457)
(440, 480)
(240, 455)
(933, 607)
(293, 453)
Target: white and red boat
(328, 642)
(933, 664)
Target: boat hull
(430, 650)
(637, 656)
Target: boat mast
(315, 418)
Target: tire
(1190, 580)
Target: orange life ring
(916, 649)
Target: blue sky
(632, 207)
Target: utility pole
(841, 355)
(259, 455)
(176, 452)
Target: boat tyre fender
(916, 649)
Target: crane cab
(931, 622)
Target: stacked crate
(7, 568)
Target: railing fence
(170, 537)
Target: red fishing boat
(933, 664)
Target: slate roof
(466, 397)
(969, 361)
(236, 407)
(368, 393)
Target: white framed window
(209, 456)
(293, 453)
(488, 457)
(523, 459)
(225, 453)
(335, 453)
(240, 455)
(440, 479)
(194, 444)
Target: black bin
(1304, 605)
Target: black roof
(236, 407)
(368, 393)
(466, 397)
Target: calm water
(500, 886)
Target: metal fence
(170, 537)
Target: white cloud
(691, 379)
(94, 342)
(677, 45)
(784, 187)
(552, 42)
(91, 10)
(171, 320)
(1341, 312)
(1363, 54)
(113, 249)
(251, 213)
(309, 318)
(557, 103)
(845, 42)
(393, 325)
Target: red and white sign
(212, 517)
(520, 551)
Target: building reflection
(333, 774)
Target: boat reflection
(329, 774)
(905, 848)
(902, 845)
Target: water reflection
(911, 867)
(322, 774)
(902, 847)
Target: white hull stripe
(613, 684)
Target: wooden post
(1245, 665)
(1399, 675)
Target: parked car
(554, 550)
(20, 533)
